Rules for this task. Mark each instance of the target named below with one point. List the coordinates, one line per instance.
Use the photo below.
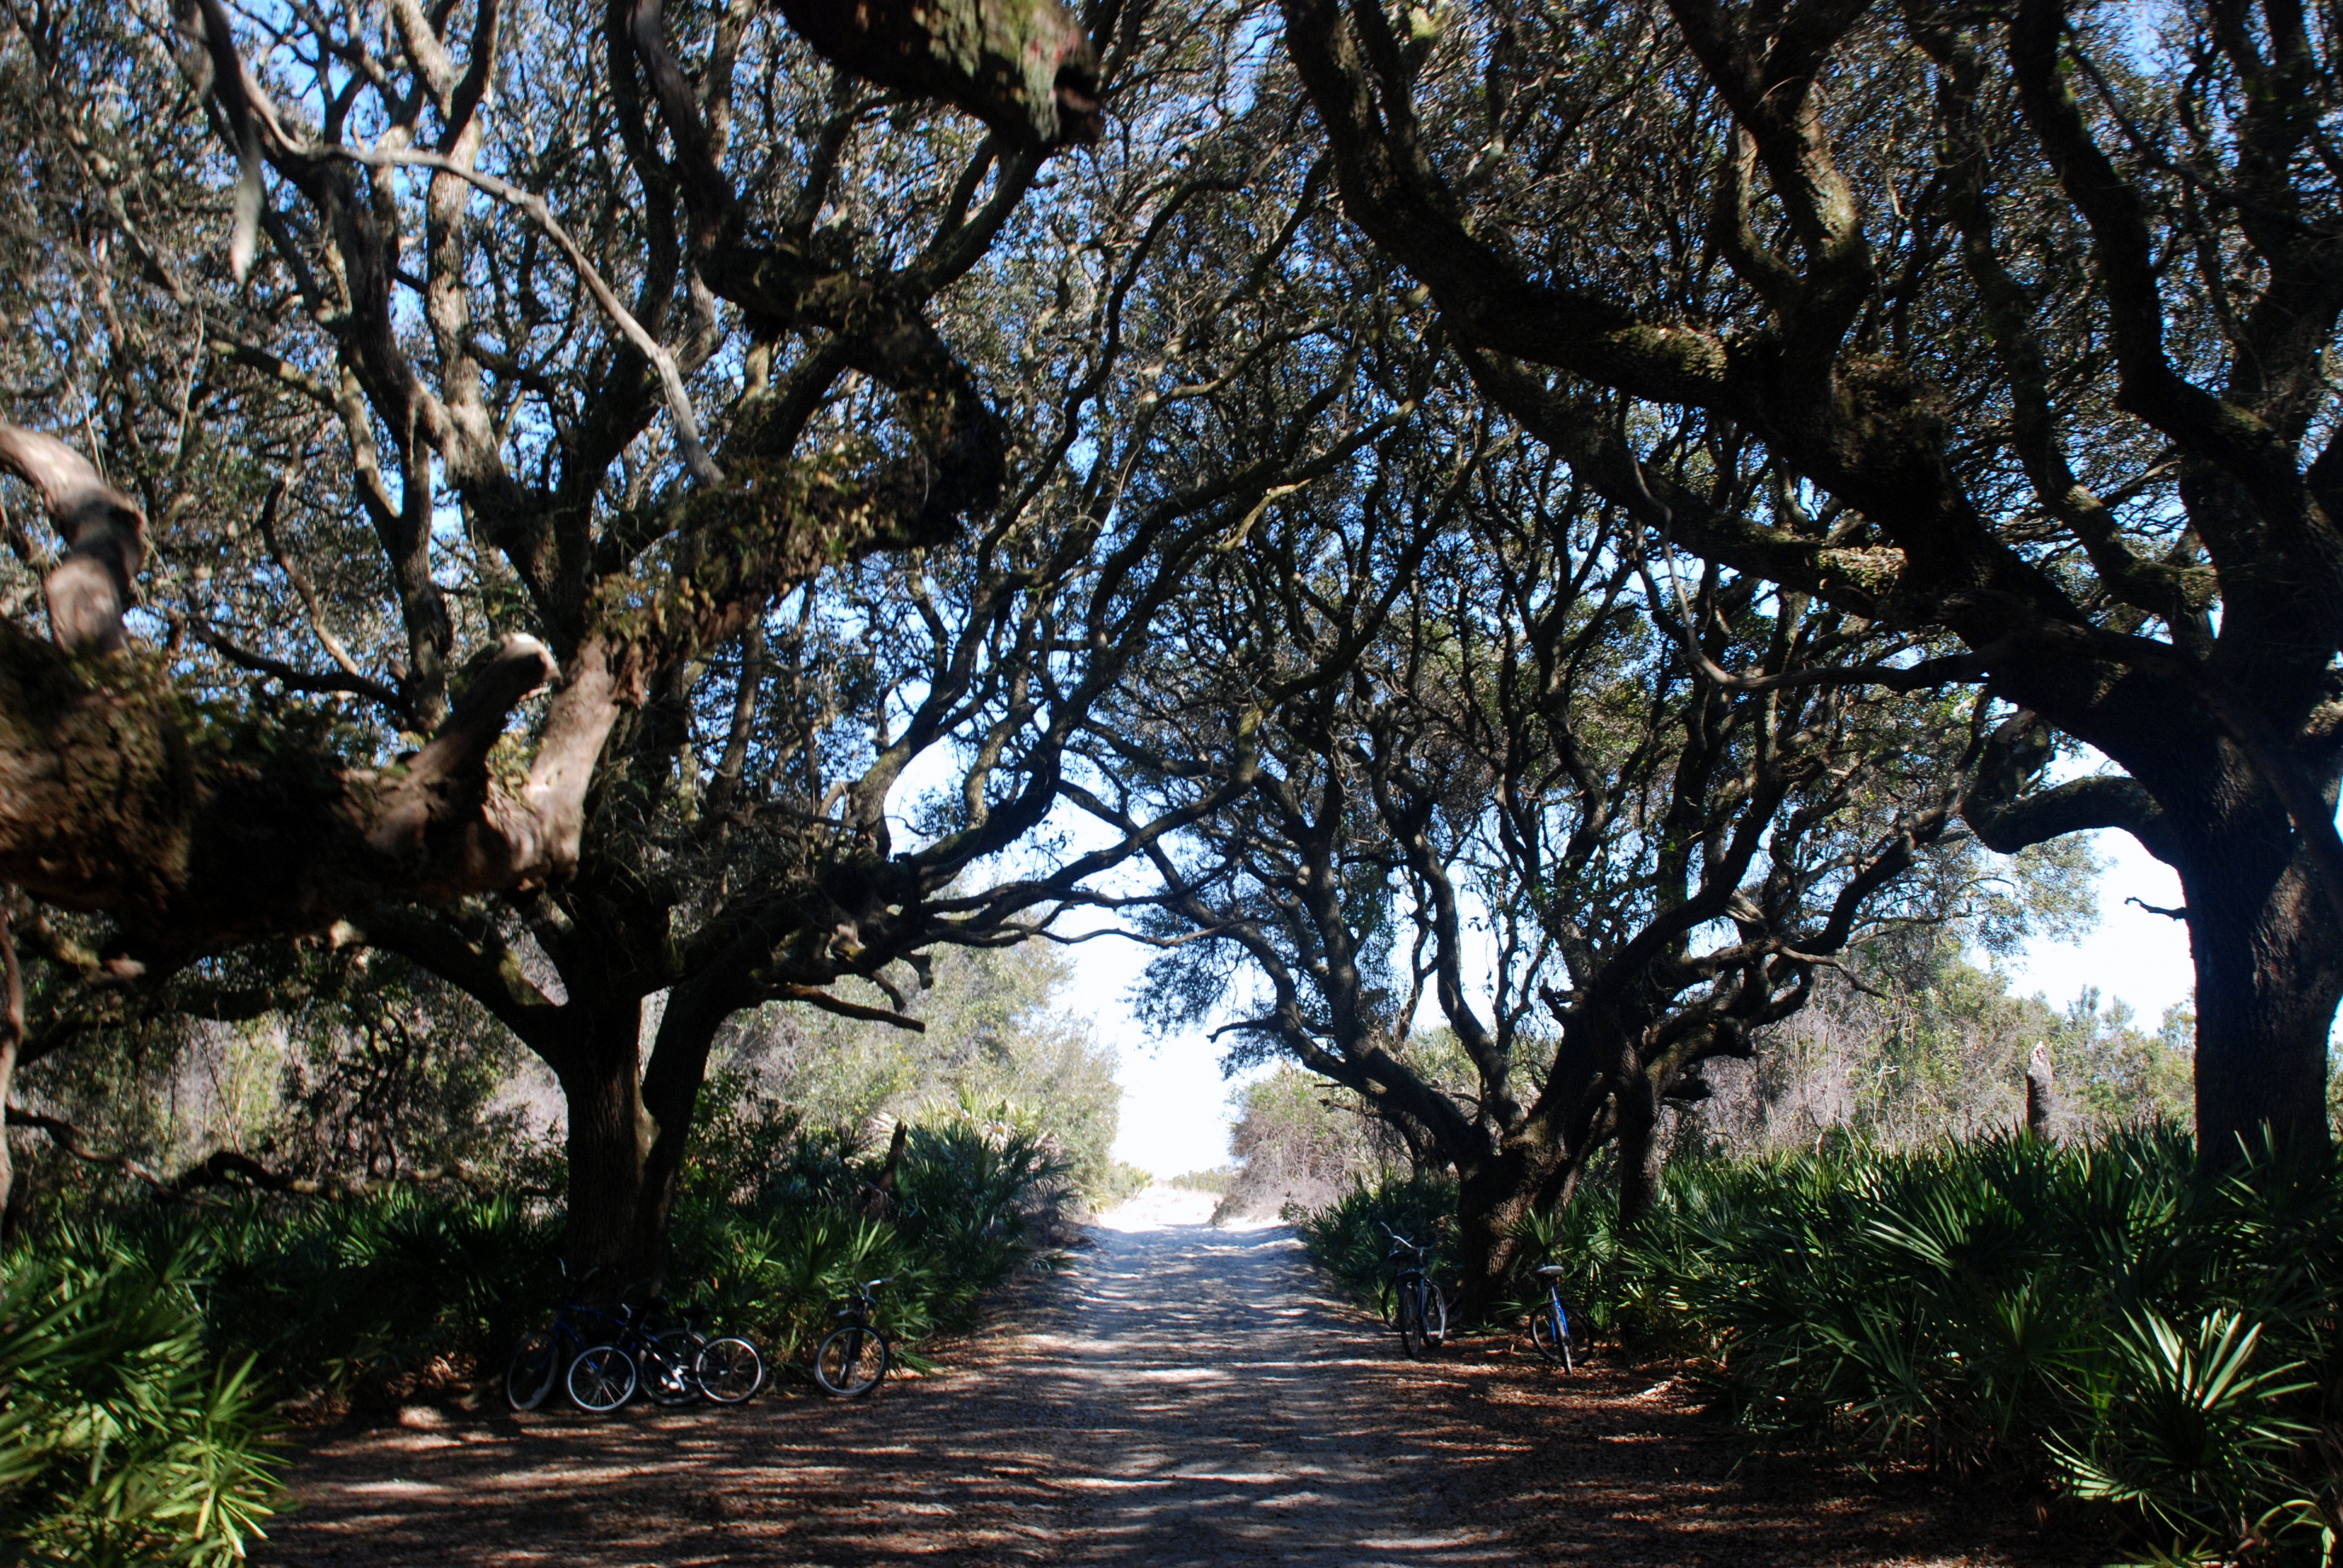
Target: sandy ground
(1179, 1396)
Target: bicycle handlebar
(582, 1281)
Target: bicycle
(667, 1358)
(1550, 1329)
(601, 1376)
(1420, 1310)
(726, 1370)
(855, 1357)
(679, 1364)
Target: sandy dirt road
(1182, 1396)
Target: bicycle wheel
(601, 1379)
(728, 1370)
(666, 1364)
(850, 1362)
(1550, 1332)
(531, 1374)
(1411, 1320)
(1435, 1316)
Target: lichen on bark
(1025, 67)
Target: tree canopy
(1571, 515)
(2023, 309)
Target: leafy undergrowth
(2100, 1318)
(145, 1362)
(773, 1244)
(1351, 1237)
(123, 1440)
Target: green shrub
(1122, 1181)
(999, 1044)
(974, 1201)
(2101, 1317)
(1348, 1236)
(123, 1440)
(1583, 1237)
(364, 1300)
(776, 1279)
(2100, 1314)
(370, 1300)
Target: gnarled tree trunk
(630, 1124)
(2269, 952)
(610, 1140)
(1493, 1197)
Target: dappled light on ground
(1182, 1396)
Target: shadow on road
(1184, 1396)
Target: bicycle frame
(575, 1332)
(1409, 1255)
(856, 1326)
(1416, 1299)
(569, 1325)
(1550, 1327)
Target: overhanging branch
(815, 997)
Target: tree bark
(670, 1102)
(2039, 1088)
(1494, 1196)
(12, 1038)
(2269, 974)
(106, 803)
(610, 1140)
(1642, 1154)
(2263, 933)
(630, 1126)
(1025, 67)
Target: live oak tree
(1479, 752)
(425, 341)
(483, 362)
(2031, 304)
(815, 444)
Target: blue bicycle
(1550, 1329)
(602, 1377)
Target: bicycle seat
(1552, 1271)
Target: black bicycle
(1419, 1309)
(726, 1370)
(649, 1349)
(601, 1376)
(854, 1359)
(680, 1362)
(1550, 1329)
(666, 1353)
